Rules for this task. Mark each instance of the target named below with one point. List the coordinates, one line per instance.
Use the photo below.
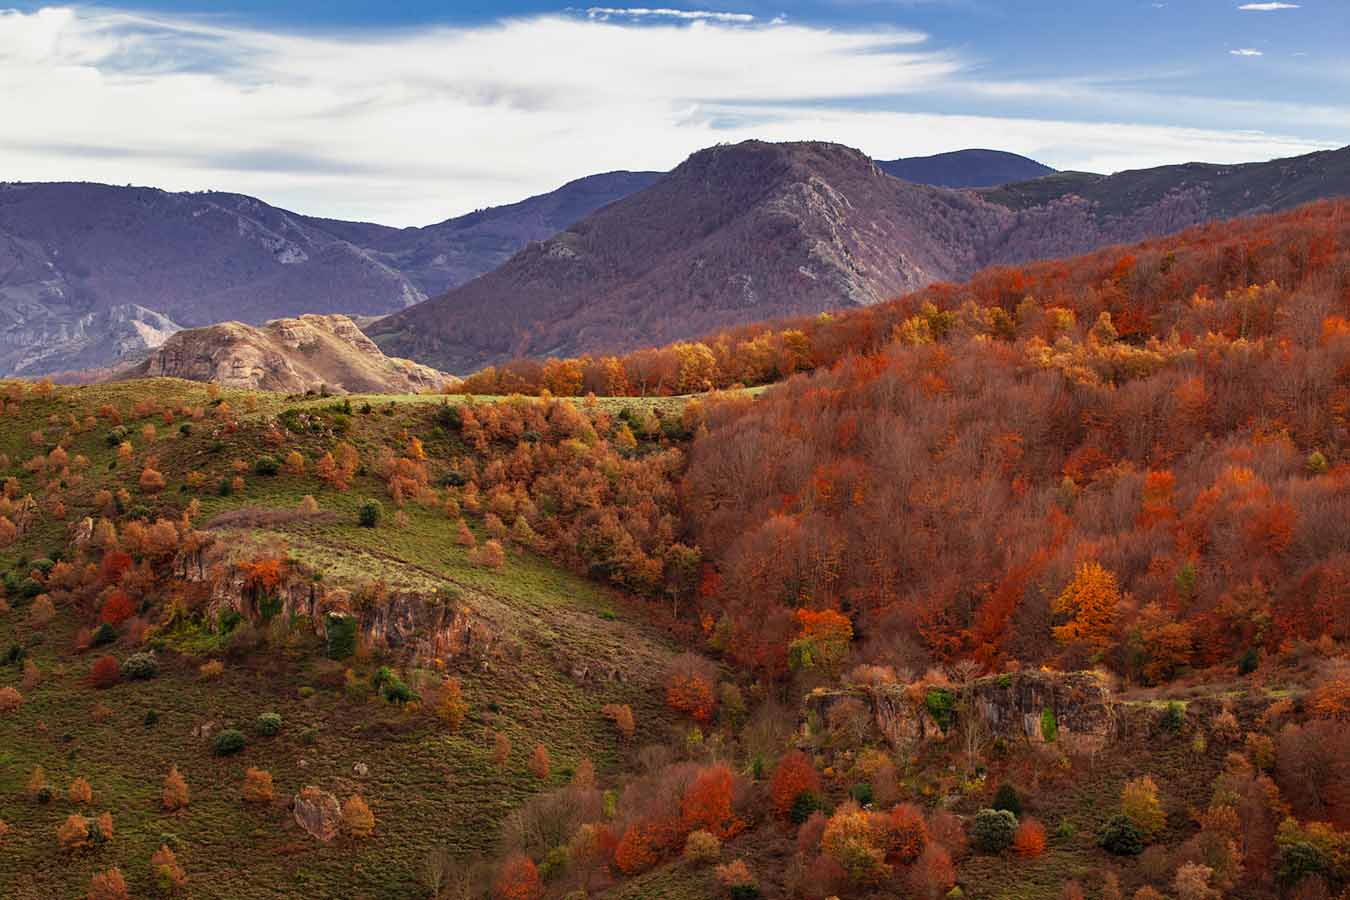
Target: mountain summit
(734, 233)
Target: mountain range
(756, 231)
(91, 272)
(94, 275)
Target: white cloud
(1246, 51)
(411, 126)
(1267, 7)
(604, 12)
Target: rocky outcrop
(308, 353)
(1073, 708)
(417, 625)
(318, 813)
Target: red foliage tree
(689, 687)
(105, 672)
(1029, 839)
(517, 879)
(117, 608)
(706, 803)
(793, 776)
(906, 834)
(637, 850)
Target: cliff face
(1073, 708)
(288, 355)
(410, 624)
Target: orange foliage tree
(517, 879)
(1090, 602)
(706, 804)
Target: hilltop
(966, 168)
(735, 233)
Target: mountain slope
(966, 168)
(734, 233)
(310, 353)
(757, 231)
(69, 252)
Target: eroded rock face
(306, 353)
(1072, 708)
(318, 813)
(427, 628)
(410, 623)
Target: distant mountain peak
(974, 168)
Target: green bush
(370, 513)
(151, 718)
(862, 793)
(993, 830)
(1121, 836)
(805, 804)
(1301, 859)
(339, 636)
(266, 465)
(104, 635)
(141, 666)
(395, 691)
(941, 705)
(1174, 717)
(1006, 798)
(744, 892)
(1049, 727)
(229, 742)
(269, 724)
(1248, 662)
(555, 864)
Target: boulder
(318, 812)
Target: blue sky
(409, 112)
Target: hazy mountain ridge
(755, 231)
(71, 251)
(966, 168)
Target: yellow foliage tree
(1139, 803)
(1090, 601)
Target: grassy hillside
(427, 787)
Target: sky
(407, 112)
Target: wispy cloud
(1246, 51)
(638, 12)
(1267, 7)
(412, 125)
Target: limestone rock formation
(1072, 708)
(318, 812)
(308, 353)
